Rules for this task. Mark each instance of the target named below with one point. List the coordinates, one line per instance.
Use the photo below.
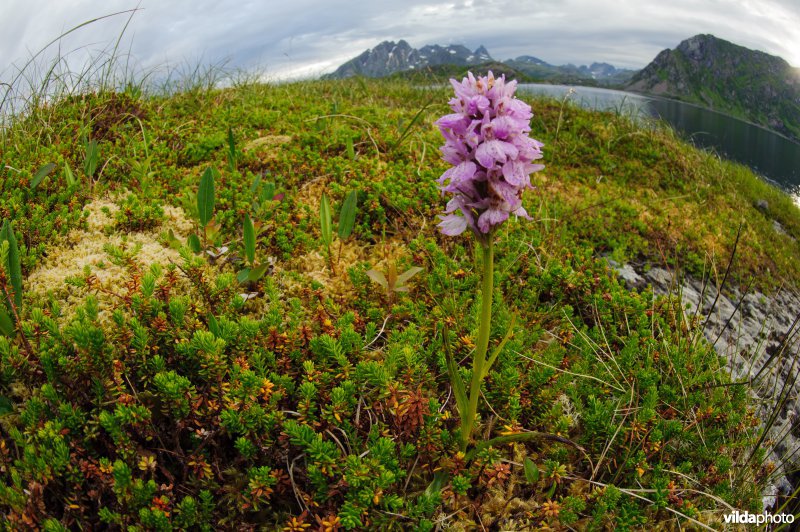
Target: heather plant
(487, 142)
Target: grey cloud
(298, 36)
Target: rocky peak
(389, 57)
(530, 60)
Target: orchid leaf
(213, 325)
(205, 197)
(194, 243)
(91, 158)
(440, 478)
(231, 151)
(459, 390)
(69, 177)
(379, 278)
(403, 278)
(500, 346)
(347, 216)
(249, 240)
(6, 323)
(13, 266)
(531, 471)
(6, 406)
(325, 220)
(255, 184)
(243, 275)
(258, 272)
(41, 173)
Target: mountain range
(704, 70)
(392, 58)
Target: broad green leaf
(91, 158)
(268, 194)
(14, 267)
(6, 323)
(41, 173)
(351, 152)
(243, 274)
(6, 406)
(256, 182)
(379, 278)
(440, 478)
(69, 176)
(531, 471)
(325, 220)
(194, 243)
(205, 197)
(213, 325)
(249, 240)
(258, 272)
(347, 216)
(403, 278)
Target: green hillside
(758, 87)
(170, 366)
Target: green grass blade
(205, 197)
(41, 173)
(325, 221)
(407, 130)
(14, 267)
(347, 216)
(249, 240)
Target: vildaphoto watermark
(743, 518)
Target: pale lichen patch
(267, 148)
(88, 249)
(310, 193)
(267, 142)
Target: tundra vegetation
(232, 309)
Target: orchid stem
(482, 345)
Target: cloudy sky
(293, 38)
